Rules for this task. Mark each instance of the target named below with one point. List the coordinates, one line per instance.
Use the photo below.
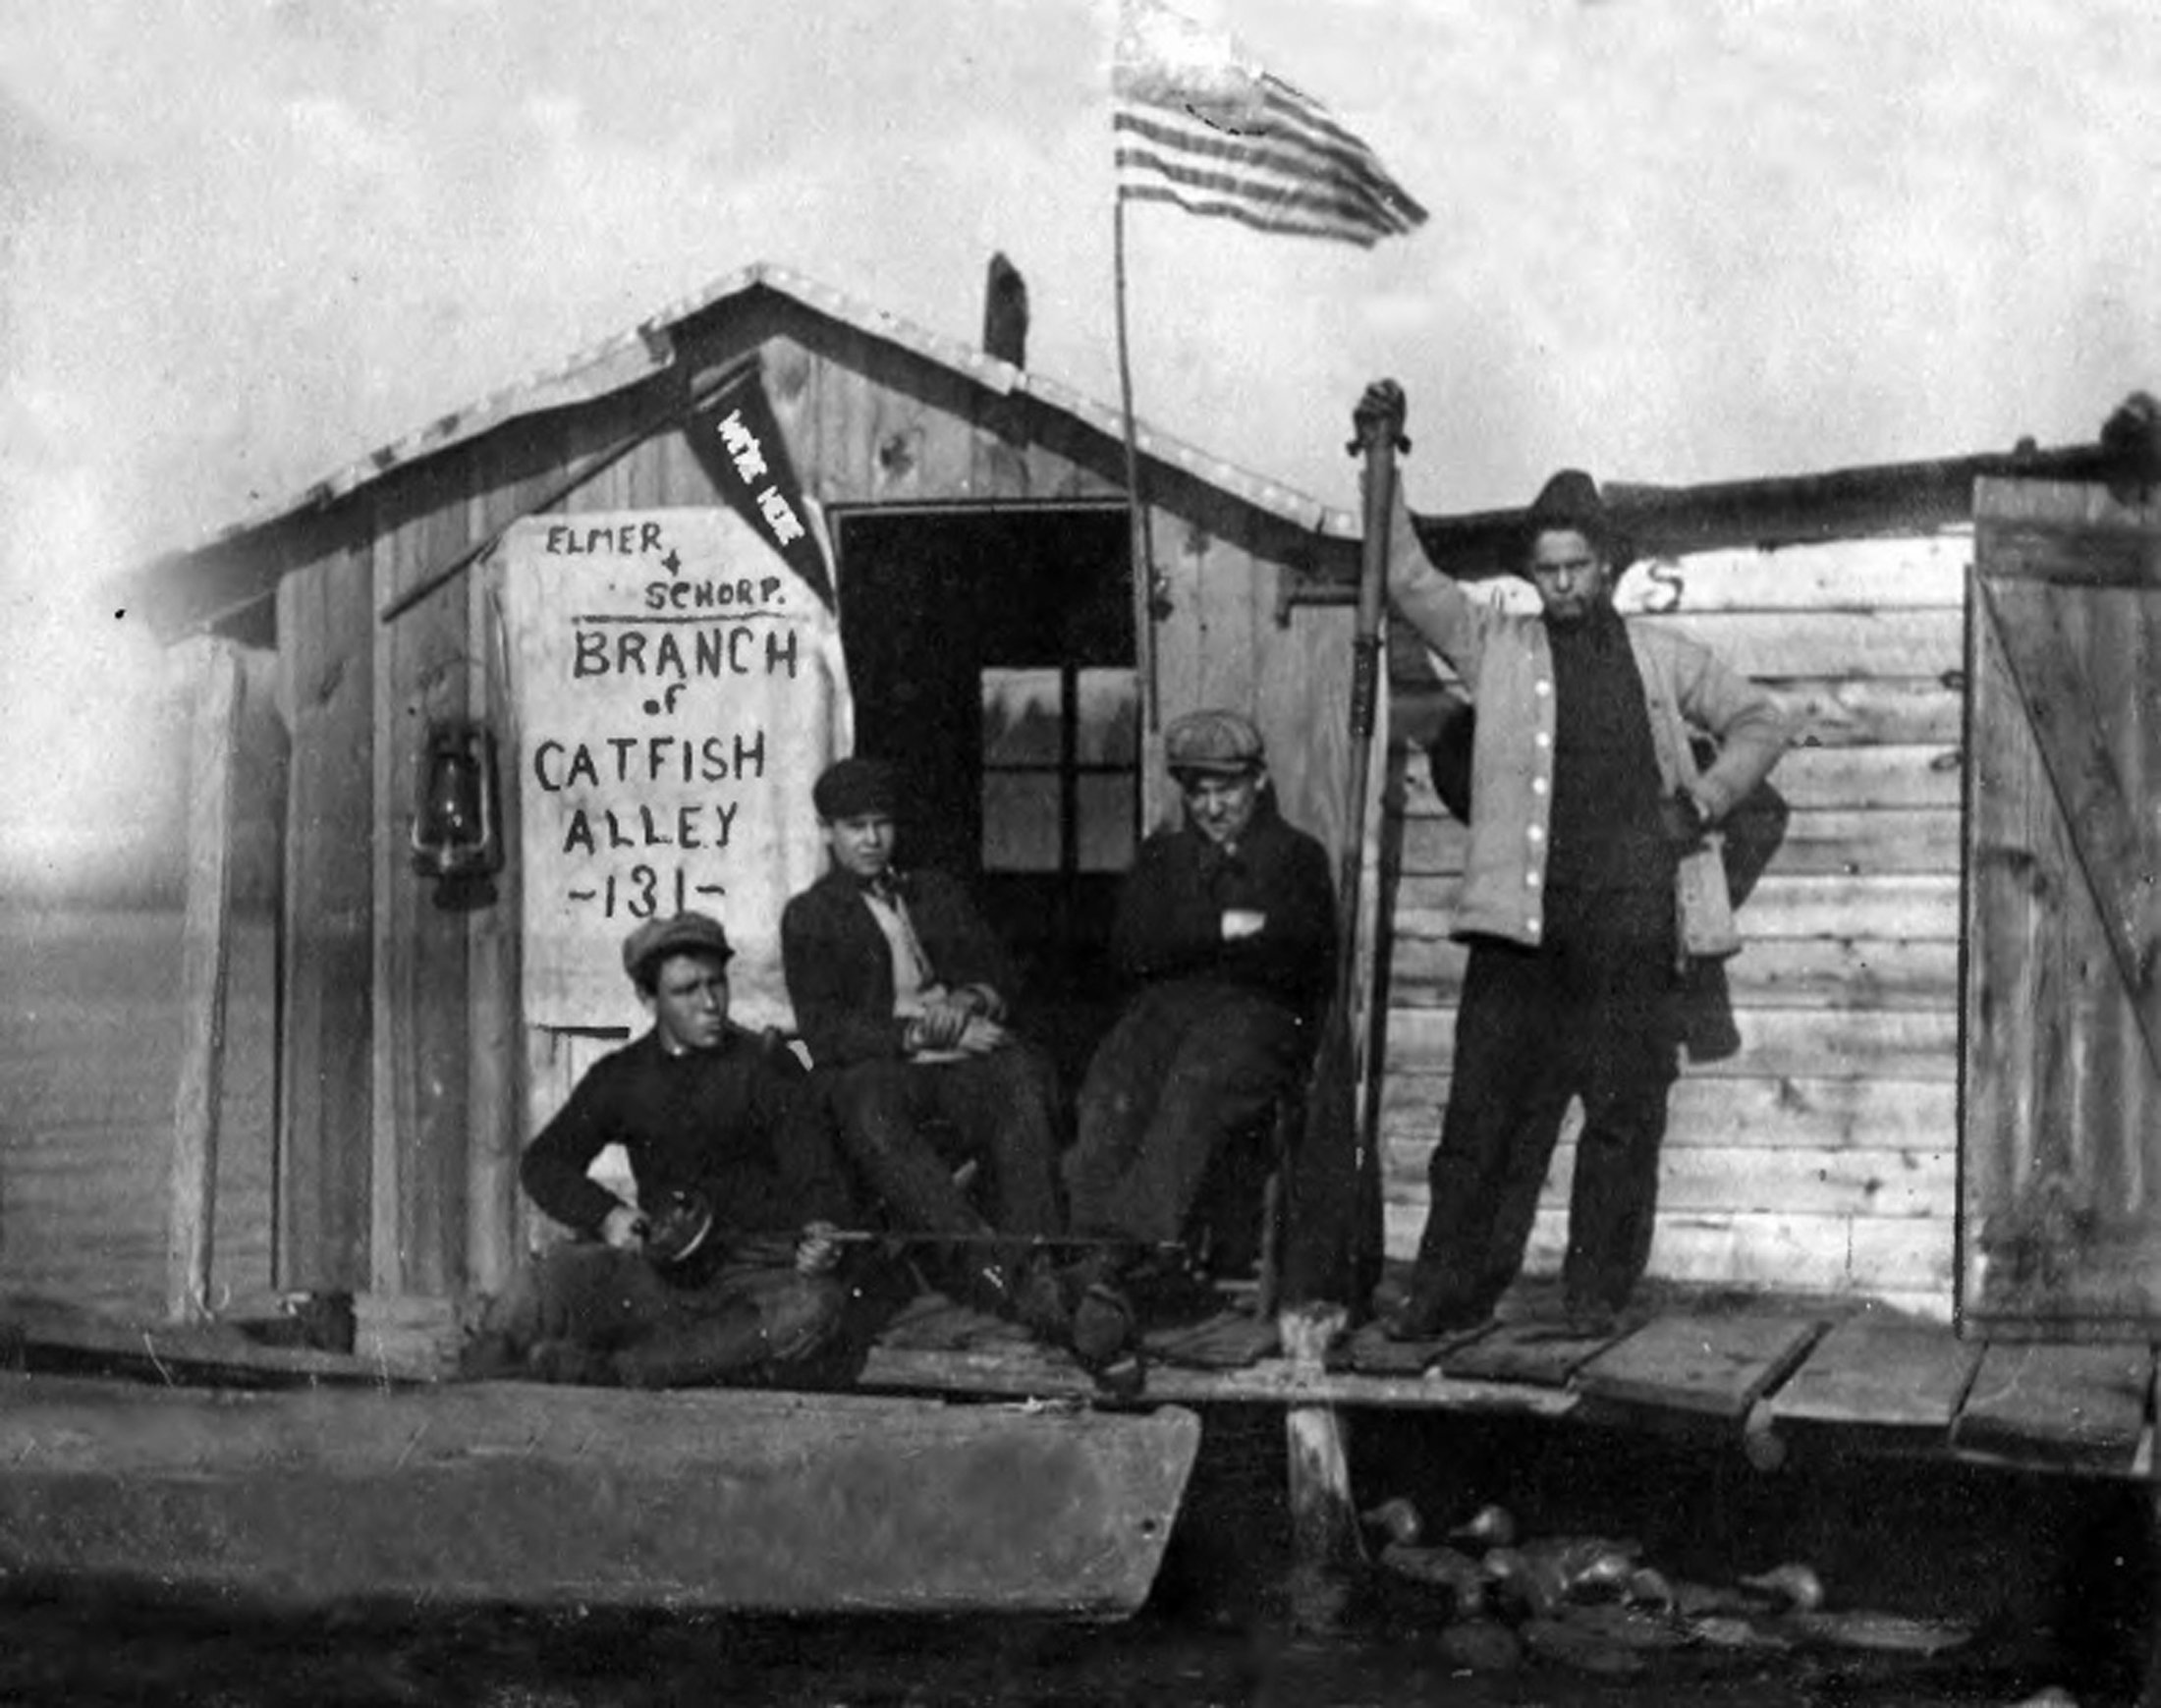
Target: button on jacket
(1507, 663)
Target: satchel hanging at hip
(1702, 905)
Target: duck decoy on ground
(1588, 1567)
(1647, 1587)
(1461, 1578)
(1396, 1519)
(1533, 1578)
(1792, 1585)
(1523, 1587)
(1490, 1527)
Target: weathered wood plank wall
(2062, 1008)
(1814, 1133)
(421, 1032)
(327, 1117)
(214, 768)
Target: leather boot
(1026, 1293)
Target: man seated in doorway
(1227, 924)
(725, 1271)
(901, 991)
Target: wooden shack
(978, 533)
(979, 539)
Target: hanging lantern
(454, 833)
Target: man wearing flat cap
(724, 1270)
(901, 992)
(1586, 799)
(1225, 929)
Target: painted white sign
(678, 690)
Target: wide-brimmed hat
(1571, 500)
(854, 789)
(1215, 743)
(680, 934)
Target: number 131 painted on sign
(639, 892)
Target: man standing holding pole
(1587, 808)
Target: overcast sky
(243, 241)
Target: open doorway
(990, 652)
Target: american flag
(1203, 125)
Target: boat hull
(510, 1493)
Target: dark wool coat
(730, 1123)
(839, 963)
(1171, 908)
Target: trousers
(1189, 1065)
(906, 1126)
(1592, 1014)
(743, 1320)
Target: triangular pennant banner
(739, 444)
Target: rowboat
(537, 1495)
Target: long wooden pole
(1378, 439)
(1328, 1234)
(1141, 550)
(1330, 1263)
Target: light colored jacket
(1507, 666)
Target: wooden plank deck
(1765, 1370)
(2082, 1407)
(1717, 1365)
(1541, 1355)
(1901, 1379)
(1770, 1371)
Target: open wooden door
(990, 651)
(2060, 1211)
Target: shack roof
(648, 349)
(1660, 519)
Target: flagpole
(1136, 505)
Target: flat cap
(1224, 743)
(683, 934)
(854, 787)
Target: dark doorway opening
(991, 656)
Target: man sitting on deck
(1227, 924)
(725, 1270)
(900, 990)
